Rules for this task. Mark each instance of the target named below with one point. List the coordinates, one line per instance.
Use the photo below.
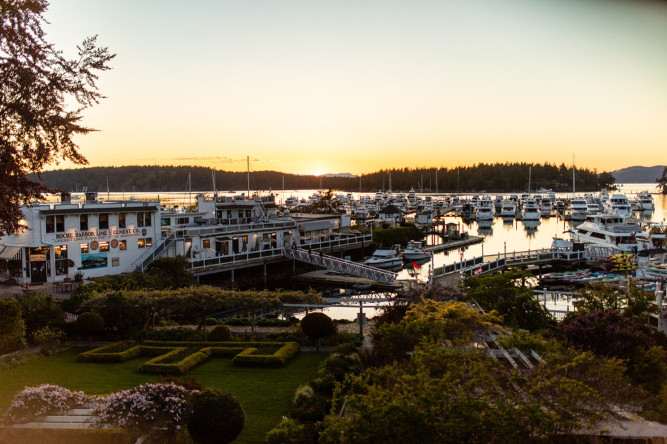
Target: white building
(95, 238)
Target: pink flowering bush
(145, 406)
(44, 399)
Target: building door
(38, 272)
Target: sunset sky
(312, 87)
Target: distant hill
(638, 174)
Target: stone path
(78, 419)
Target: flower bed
(44, 399)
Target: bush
(146, 406)
(211, 321)
(43, 399)
(38, 311)
(173, 334)
(11, 326)
(48, 339)
(217, 417)
(89, 324)
(220, 333)
(287, 432)
(317, 325)
(237, 322)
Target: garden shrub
(211, 321)
(11, 326)
(217, 417)
(44, 399)
(287, 432)
(146, 406)
(38, 311)
(175, 362)
(220, 333)
(89, 324)
(237, 322)
(317, 325)
(286, 336)
(48, 339)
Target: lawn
(265, 393)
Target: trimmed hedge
(173, 334)
(179, 357)
(117, 352)
(284, 354)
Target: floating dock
(455, 244)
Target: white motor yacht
(646, 201)
(579, 208)
(484, 210)
(415, 251)
(609, 230)
(618, 204)
(384, 258)
(508, 209)
(530, 210)
(546, 208)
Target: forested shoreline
(499, 177)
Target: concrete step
(70, 418)
(83, 412)
(57, 425)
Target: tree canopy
(42, 98)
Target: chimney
(65, 197)
(91, 196)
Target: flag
(415, 266)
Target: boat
(384, 258)
(646, 201)
(578, 208)
(484, 210)
(530, 210)
(618, 204)
(508, 209)
(609, 230)
(546, 208)
(415, 251)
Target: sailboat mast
(573, 168)
(530, 174)
(248, 163)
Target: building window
(229, 214)
(206, 243)
(83, 222)
(104, 221)
(84, 248)
(182, 221)
(149, 242)
(104, 246)
(50, 224)
(62, 263)
(122, 244)
(143, 219)
(248, 213)
(60, 224)
(121, 220)
(141, 242)
(164, 221)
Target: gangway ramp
(341, 265)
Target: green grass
(265, 393)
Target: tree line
(497, 177)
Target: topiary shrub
(217, 417)
(89, 324)
(211, 321)
(317, 325)
(220, 333)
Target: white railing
(487, 264)
(340, 265)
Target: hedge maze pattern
(177, 358)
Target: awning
(8, 252)
(223, 238)
(316, 225)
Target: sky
(310, 87)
